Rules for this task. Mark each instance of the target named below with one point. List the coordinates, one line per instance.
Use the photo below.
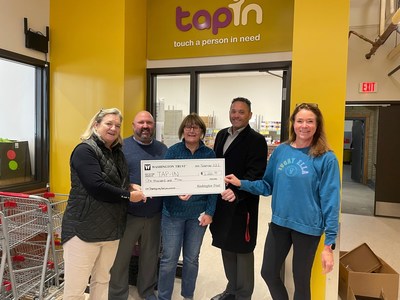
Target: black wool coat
(234, 226)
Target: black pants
(277, 245)
(239, 270)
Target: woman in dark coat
(95, 217)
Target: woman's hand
(184, 197)
(135, 187)
(137, 196)
(228, 195)
(205, 220)
(232, 179)
(327, 259)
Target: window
(173, 100)
(23, 123)
(208, 91)
(263, 89)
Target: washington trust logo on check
(171, 177)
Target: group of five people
(108, 215)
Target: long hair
(190, 120)
(97, 118)
(319, 143)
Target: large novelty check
(182, 176)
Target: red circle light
(11, 154)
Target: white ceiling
(366, 12)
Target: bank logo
(147, 167)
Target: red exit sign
(368, 87)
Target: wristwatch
(331, 247)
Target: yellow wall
(97, 61)
(319, 76)
(135, 61)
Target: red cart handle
(9, 194)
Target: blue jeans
(177, 234)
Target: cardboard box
(361, 259)
(356, 297)
(364, 275)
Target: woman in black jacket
(94, 219)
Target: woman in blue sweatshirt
(303, 178)
(185, 218)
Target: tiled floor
(356, 198)
(381, 234)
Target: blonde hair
(97, 118)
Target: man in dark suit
(234, 227)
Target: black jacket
(98, 200)
(234, 226)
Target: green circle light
(13, 165)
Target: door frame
(386, 200)
(195, 71)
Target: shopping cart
(31, 264)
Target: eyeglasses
(189, 127)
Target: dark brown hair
(244, 100)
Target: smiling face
(305, 126)
(108, 129)
(192, 134)
(143, 127)
(239, 115)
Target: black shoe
(224, 296)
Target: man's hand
(184, 197)
(228, 195)
(137, 196)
